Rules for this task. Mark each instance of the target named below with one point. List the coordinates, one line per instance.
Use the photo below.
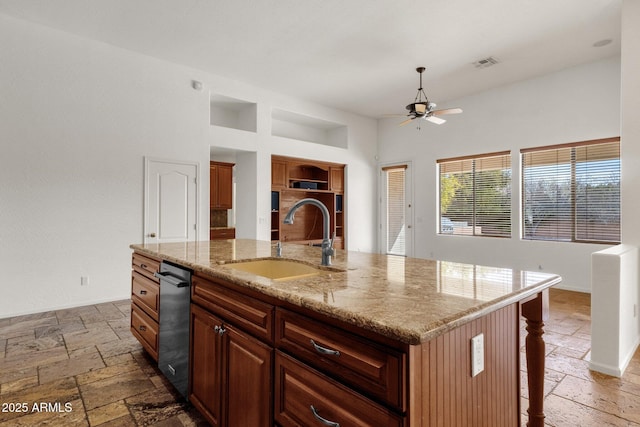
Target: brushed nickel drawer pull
(323, 350)
(323, 420)
(143, 265)
(143, 292)
(142, 328)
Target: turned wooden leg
(536, 311)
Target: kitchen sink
(278, 269)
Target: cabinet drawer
(249, 314)
(145, 266)
(223, 233)
(300, 388)
(145, 329)
(146, 294)
(373, 369)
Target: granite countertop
(407, 299)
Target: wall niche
(291, 125)
(233, 113)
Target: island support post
(536, 311)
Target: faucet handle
(331, 249)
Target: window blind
(475, 195)
(396, 233)
(571, 192)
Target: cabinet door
(206, 367)
(225, 186)
(248, 383)
(213, 181)
(278, 174)
(337, 179)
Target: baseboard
(64, 307)
(616, 371)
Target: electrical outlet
(477, 354)
(84, 280)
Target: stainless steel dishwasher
(174, 319)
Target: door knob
(152, 234)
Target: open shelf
(287, 124)
(233, 113)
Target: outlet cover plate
(477, 354)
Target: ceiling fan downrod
(418, 98)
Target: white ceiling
(354, 55)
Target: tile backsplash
(218, 218)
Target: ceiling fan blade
(406, 121)
(434, 119)
(447, 111)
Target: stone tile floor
(82, 367)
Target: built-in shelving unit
(293, 179)
(233, 113)
(287, 124)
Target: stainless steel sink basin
(277, 269)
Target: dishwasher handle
(171, 279)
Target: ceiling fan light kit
(422, 108)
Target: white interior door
(396, 225)
(170, 201)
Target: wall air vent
(486, 62)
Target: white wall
(575, 104)
(77, 118)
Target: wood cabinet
(293, 179)
(369, 367)
(145, 302)
(222, 233)
(231, 371)
(306, 397)
(256, 360)
(278, 173)
(221, 185)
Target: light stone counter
(407, 299)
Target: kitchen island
(371, 340)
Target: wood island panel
(442, 390)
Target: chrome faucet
(327, 243)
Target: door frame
(145, 209)
(409, 207)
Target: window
(475, 195)
(571, 192)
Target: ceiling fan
(425, 109)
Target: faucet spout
(327, 242)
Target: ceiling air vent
(486, 62)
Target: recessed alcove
(287, 124)
(233, 113)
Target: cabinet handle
(220, 330)
(142, 328)
(143, 292)
(143, 266)
(323, 420)
(324, 350)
